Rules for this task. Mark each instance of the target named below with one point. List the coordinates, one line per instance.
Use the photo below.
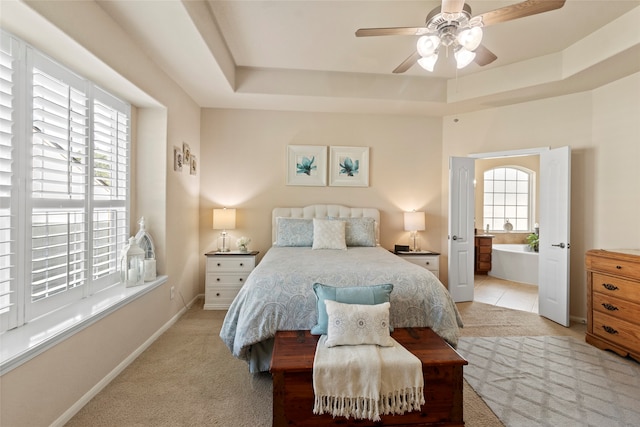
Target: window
(508, 198)
(64, 185)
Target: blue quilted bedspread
(278, 295)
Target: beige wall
(244, 166)
(33, 394)
(603, 130)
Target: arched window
(508, 197)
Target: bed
(279, 294)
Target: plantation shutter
(59, 223)
(110, 178)
(64, 185)
(8, 258)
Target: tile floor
(504, 293)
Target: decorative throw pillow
(359, 231)
(355, 324)
(366, 295)
(328, 234)
(294, 231)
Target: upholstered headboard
(324, 211)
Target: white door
(461, 236)
(553, 268)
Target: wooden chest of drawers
(613, 299)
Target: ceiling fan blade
(393, 31)
(452, 6)
(484, 56)
(519, 10)
(407, 63)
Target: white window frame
(530, 205)
(21, 310)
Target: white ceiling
(303, 55)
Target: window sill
(19, 345)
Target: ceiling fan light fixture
(470, 38)
(427, 45)
(464, 57)
(428, 62)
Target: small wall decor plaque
(178, 159)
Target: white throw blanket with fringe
(366, 381)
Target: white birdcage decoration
(144, 240)
(132, 264)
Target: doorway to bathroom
(553, 285)
(506, 208)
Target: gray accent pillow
(359, 231)
(294, 232)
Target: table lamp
(414, 222)
(224, 219)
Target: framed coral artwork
(307, 165)
(349, 166)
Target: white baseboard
(577, 319)
(69, 413)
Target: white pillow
(328, 234)
(355, 324)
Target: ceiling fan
(451, 26)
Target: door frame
(498, 154)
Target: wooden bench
(293, 397)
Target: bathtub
(517, 263)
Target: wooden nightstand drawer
(429, 261)
(220, 297)
(227, 279)
(230, 263)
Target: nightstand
(428, 260)
(226, 272)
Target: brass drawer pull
(609, 306)
(609, 330)
(610, 287)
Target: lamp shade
(414, 221)
(470, 38)
(464, 57)
(224, 219)
(428, 62)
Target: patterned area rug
(552, 381)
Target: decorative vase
(242, 248)
(132, 264)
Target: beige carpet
(189, 378)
